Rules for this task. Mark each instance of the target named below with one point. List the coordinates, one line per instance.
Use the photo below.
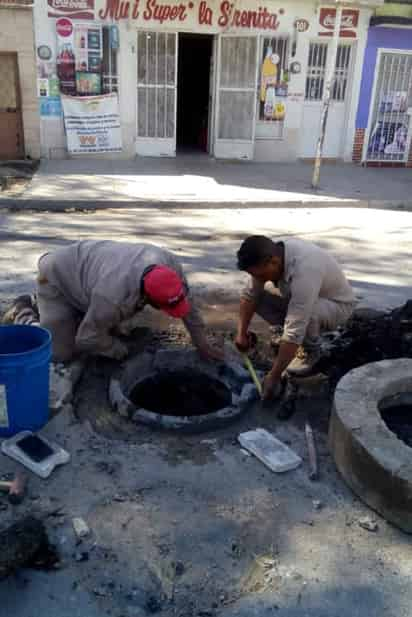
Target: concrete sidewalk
(201, 181)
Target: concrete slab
(202, 181)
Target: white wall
(266, 148)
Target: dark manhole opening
(396, 412)
(181, 393)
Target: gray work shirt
(310, 273)
(102, 280)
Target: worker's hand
(243, 342)
(209, 353)
(271, 386)
(118, 351)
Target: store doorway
(11, 124)
(193, 92)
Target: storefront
(233, 79)
(383, 124)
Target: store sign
(92, 124)
(64, 27)
(204, 13)
(301, 25)
(75, 9)
(348, 25)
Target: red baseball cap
(167, 290)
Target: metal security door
(389, 131)
(338, 109)
(156, 93)
(11, 125)
(236, 97)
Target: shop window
(390, 119)
(316, 74)
(273, 80)
(109, 63)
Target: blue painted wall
(391, 38)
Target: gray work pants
(327, 314)
(57, 316)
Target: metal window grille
(110, 79)
(156, 84)
(273, 87)
(315, 80)
(390, 123)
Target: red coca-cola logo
(348, 22)
(64, 27)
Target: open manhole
(181, 393)
(175, 389)
(396, 412)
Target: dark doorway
(195, 53)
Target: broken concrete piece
(368, 523)
(81, 528)
(63, 380)
(272, 452)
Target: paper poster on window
(42, 87)
(273, 81)
(51, 106)
(92, 124)
(65, 56)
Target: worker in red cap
(90, 290)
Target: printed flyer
(92, 124)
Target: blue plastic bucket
(24, 378)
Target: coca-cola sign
(75, 9)
(348, 23)
(64, 27)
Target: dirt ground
(191, 526)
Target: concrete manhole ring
(232, 377)
(373, 461)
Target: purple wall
(391, 38)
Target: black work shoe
(286, 411)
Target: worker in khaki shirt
(307, 292)
(90, 291)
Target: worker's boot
(305, 360)
(23, 311)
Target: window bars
(389, 135)
(315, 80)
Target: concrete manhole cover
(175, 389)
(368, 403)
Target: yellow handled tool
(252, 372)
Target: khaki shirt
(102, 280)
(310, 273)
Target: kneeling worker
(89, 290)
(309, 293)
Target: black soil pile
(181, 393)
(369, 339)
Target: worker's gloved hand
(207, 352)
(118, 351)
(245, 342)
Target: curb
(49, 205)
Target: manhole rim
(374, 462)
(226, 373)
